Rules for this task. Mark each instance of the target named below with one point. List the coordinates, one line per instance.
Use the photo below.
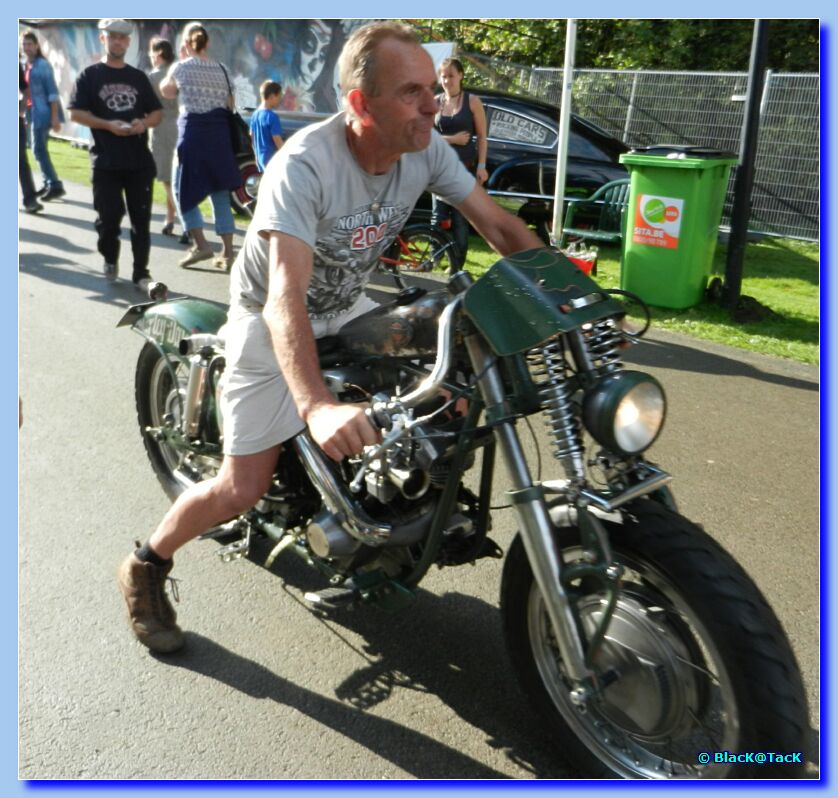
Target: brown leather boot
(150, 613)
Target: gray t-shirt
(314, 190)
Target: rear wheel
(160, 388)
(694, 660)
(421, 248)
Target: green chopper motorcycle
(641, 643)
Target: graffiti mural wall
(300, 54)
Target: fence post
(765, 93)
(630, 108)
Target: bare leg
(227, 238)
(239, 485)
(199, 238)
(171, 208)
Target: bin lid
(683, 151)
(684, 156)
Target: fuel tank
(406, 327)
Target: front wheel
(160, 388)
(694, 661)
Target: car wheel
(244, 196)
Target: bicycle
(420, 248)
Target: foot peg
(333, 598)
(238, 548)
(235, 550)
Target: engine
(386, 501)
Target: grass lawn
(782, 274)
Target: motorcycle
(643, 646)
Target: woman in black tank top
(460, 119)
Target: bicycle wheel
(422, 248)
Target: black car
(521, 158)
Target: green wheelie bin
(674, 208)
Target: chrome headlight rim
(603, 402)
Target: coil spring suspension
(549, 371)
(603, 345)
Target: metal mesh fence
(705, 108)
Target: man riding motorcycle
(330, 204)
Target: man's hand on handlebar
(341, 430)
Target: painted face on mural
(313, 49)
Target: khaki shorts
(257, 407)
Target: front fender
(527, 298)
(166, 323)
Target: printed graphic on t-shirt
(119, 97)
(347, 254)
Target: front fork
(536, 526)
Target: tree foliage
(710, 45)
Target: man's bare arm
(340, 429)
(504, 232)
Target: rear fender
(166, 323)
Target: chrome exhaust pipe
(352, 517)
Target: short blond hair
(357, 62)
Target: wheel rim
(673, 697)
(249, 188)
(417, 258)
(166, 400)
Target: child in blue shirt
(265, 127)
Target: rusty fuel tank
(406, 327)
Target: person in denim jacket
(44, 111)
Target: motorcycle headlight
(625, 411)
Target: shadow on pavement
(666, 354)
(68, 272)
(59, 242)
(412, 751)
(450, 646)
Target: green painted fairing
(527, 298)
(169, 322)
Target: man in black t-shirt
(116, 101)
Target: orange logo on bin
(657, 221)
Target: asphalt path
(265, 689)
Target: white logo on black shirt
(119, 97)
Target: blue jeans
(40, 136)
(442, 212)
(221, 210)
